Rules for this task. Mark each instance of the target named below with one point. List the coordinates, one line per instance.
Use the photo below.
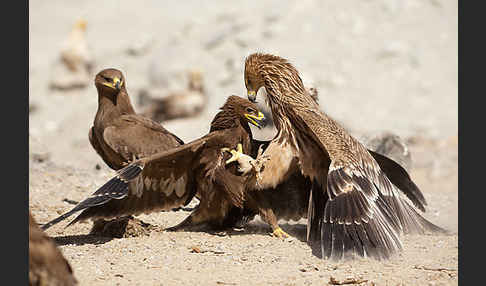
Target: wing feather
(127, 194)
(355, 208)
(401, 179)
(135, 136)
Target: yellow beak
(117, 83)
(252, 95)
(258, 121)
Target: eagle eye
(249, 110)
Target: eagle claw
(235, 153)
(278, 232)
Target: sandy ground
(378, 65)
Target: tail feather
(115, 188)
(317, 200)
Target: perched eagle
(170, 179)
(119, 135)
(355, 207)
(47, 265)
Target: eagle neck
(113, 106)
(330, 135)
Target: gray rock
(390, 145)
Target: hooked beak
(117, 83)
(258, 121)
(252, 95)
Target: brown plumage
(119, 135)
(170, 179)
(355, 206)
(289, 200)
(47, 265)
(176, 104)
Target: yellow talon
(278, 232)
(235, 153)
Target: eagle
(118, 134)
(170, 179)
(188, 102)
(356, 206)
(47, 265)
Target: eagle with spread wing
(171, 178)
(357, 199)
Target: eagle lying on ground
(170, 179)
(175, 103)
(355, 205)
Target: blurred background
(378, 65)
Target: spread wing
(290, 199)
(356, 216)
(400, 178)
(134, 136)
(162, 181)
(363, 211)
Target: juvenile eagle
(170, 179)
(354, 206)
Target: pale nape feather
(354, 208)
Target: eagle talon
(278, 232)
(235, 153)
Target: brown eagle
(170, 179)
(47, 265)
(176, 103)
(119, 135)
(355, 206)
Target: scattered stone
(219, 36)
(334, 281)
(141, 46)
(393, 49)
(122, 228)
(70, 201)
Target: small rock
(195, 249)
(121, 228)
(141, 46)
(392, 146)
